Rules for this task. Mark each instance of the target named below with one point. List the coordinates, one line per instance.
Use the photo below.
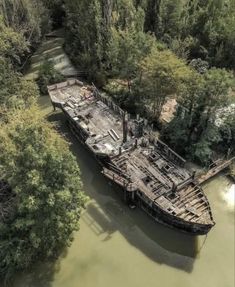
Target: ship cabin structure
(151, 175)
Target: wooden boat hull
(130, 195)
(150, 174)
(174, 222)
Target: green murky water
(117, 246)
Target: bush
(48, 76)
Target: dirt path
(51, 48)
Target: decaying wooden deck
(146, 168)
(218, 167)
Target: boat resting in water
(151, 175)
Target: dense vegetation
(48, 75)
(142, 52)
(191, 29)
(40, 188)
(45, 191)
(194, 129)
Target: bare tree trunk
(5, 14)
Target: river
(117, 246)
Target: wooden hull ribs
(151, 175)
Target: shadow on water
(41, 275)
(107, 213)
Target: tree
(152, 18)
(128, 45)
(200, 98)
(56, 12)
(84, 35)
(28, 18)
(170, 13)
(199, 65)
(44, 180)
(124, 14)
(15, 91)
(161, 74)
(227, 131)
(13, 45)
(48, 75)
(212, 25)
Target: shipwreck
(151, 175)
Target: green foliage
(208, 25)
(202, 151)
(84, 37)
(199, 65)
(26, 17)
(152, 15)
(227, 132)
(161, 75)
(193, 130)
(56, 11)
(15, 91)
(128, 47)
(177, 132)
(41, 206)
(191, 29)
(119, 90)
(125, 15)
(48, 76)
(170, 18)
(13, 45)
(212, 24)
(111, 42)
(45, 180)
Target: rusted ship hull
(150, 174)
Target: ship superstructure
(151, 174)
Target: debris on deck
(151, 175)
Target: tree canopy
(40, 188)
(161, 75)
(159, 49)
(195, 29)
(193, 130)
(154, 50)
(44, 180)
(48, 75)
(15, 91)
(28, 18)
(13, 45)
